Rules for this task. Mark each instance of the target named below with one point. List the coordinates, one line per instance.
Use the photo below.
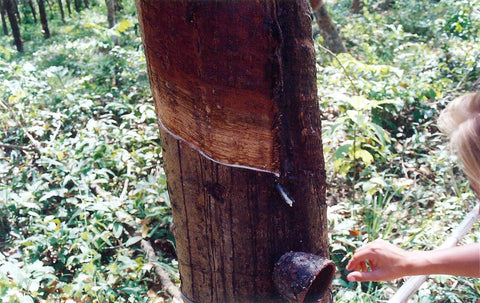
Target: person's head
(460, 120)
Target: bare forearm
(458, 261)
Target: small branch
(20, 124)
(343, 67)
(19, 147)
(98, 191)
(167, 285)
(475, 84)
(413, 284)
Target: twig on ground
(19, 147)
(167, 284)
(36, 144)
(343, 67)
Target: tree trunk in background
(357, 6)
(62, 12)
(231, 224)
(77, 5)
(85, 2)
(43, 19)
(3, 16)
(10, 8)
(32, 8)
(17, 12)
(69, 8)
(111, 13)
(328, 30)
(49, 6)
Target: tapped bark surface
(231, 224)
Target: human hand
(386, 261)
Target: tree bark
(3, 16)
(32, 8)
(85, 2)
(111, 13)
(17, 12)
(357, 6)
(10, 8)
(62, 12)
(69, 8)
(77, 5)
(329, 31)
(43, 19)
(250, 70)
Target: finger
(360, 256)
(363, 266)
(361, 276)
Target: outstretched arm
(382, 261)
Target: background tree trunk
(69, 8)
(357, 6)
(17, 12)
(10, 8)
(328, 30)
(3, 16)
(43, 18)
(77, 5)
(62, 12)
(32, 8)
(231, 224)
(111, 13)
(85, 2)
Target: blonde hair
(460, 120)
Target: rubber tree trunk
(43, 18)
(3, 14)
(10, 8)
(111, 13)
(233, 80)
(62, 11)
(32, 8)
(357, 6)
(327, 28)
(17, 12)
(77, 5)
(69, 8)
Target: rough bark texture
(328, 30)
(9, 7)
(43, 18)
(3, 16)
(231, 224)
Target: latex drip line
(285, 195)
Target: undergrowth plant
(380, 103)
(81, 177)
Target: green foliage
(391, 172)
(80, 168)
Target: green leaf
(133, 240)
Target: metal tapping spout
(303, 277)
